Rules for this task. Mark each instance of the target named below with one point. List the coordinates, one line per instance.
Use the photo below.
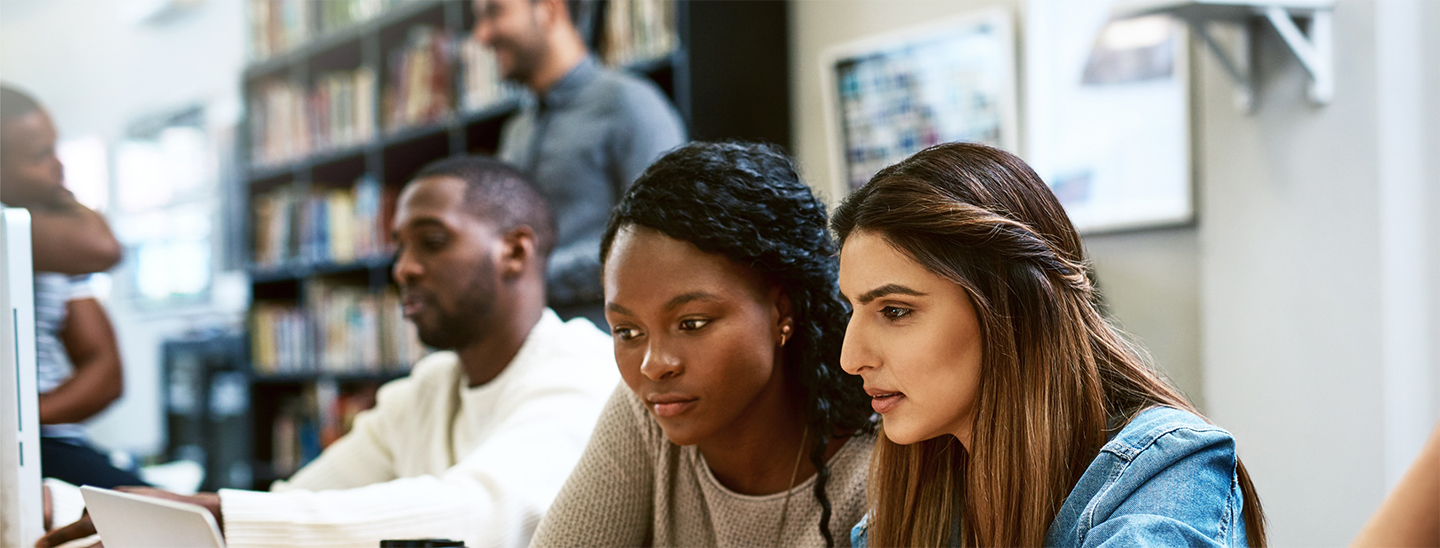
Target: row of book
(356, 328)
(634, 30)
(638, 30)
(337, 14)
(482, 84)
(277, 26)
(340, 329)
(289, 121)
(278, 126)
(342, 109)
(420, 89)
(323, 225)
(308, 422)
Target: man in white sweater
(478, 440)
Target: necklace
(790, 487)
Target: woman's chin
(679, 435)
(902, 434)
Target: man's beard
(524, 60)
(470, 320)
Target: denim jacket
(1166, 479)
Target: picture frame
(891, 95)
(1107, 114)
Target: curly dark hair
(746, 202)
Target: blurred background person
(78, 359)
(585, 136)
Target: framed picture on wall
(892, 95)
(1107, 114)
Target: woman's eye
(691, 324)
(624, 333)
(895, 312)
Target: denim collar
(570, 86)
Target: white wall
(98, 73)
(1151, 279)
(1291, 286)
(1430, 67)
(1301, 309)
(1314, 276)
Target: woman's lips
(670, 406)
(884, 403)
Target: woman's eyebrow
(690, 297)
(885, 290)
(611, 306)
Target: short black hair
(746, 202)
(15, 103)
(499, 193)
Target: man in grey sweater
(583, 134)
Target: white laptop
(135, 521)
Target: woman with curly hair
(1013, 413)
(736, 426)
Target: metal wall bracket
(1314, 50)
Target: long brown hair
(1056, 378)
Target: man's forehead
(431, 197)
(434, 191)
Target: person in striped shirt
(78, 361)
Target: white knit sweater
(437, 459)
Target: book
(277, 26)
(306, 423)
(340, 329)
(338, 14)
(419, 89)
(278, 128)
(289, 121)
(280, 340)
(638, 30)
(323, 225)
(481, 82)
(342, 109)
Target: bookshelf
(341, 114)
(205, 394)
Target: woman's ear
(517, 252)
(784, 313)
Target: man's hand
(49, 506)
(84, 527)
(78, 530)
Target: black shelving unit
(207, 411)
(723, 88)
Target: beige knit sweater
(635, 488)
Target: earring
(784, 334)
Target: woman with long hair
(1013, 413)
(736, 426)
